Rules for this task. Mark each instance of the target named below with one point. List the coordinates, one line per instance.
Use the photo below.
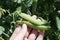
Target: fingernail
(24, 25)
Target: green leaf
(2, 12)
(1, 30)
(14, 0)
(17, 1)
(1, 38)
(18, 9)
(58, 23)
(29, 3)
(34, 5)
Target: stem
(6, 34)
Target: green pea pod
(41, 27)
(30, 19)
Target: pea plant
(17, 12)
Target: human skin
(22, 32)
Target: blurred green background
(47, 9)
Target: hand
(25, 33)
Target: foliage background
(47, 9)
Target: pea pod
(41, 27)
(30, 19)
(33, 23)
